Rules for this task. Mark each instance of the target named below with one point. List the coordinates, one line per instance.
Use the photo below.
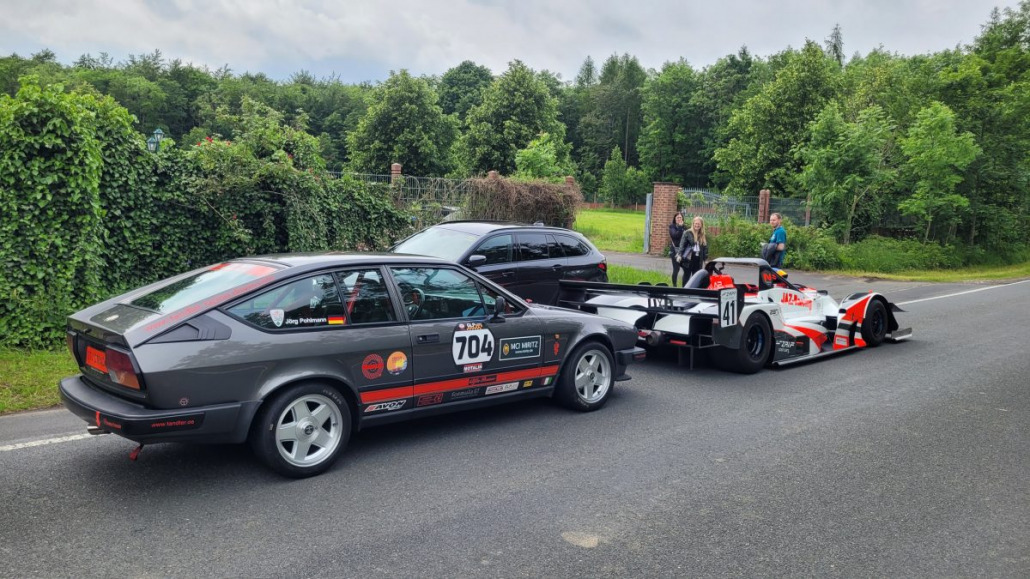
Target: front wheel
(301, 431)
(874, 326)
(755, 345)
(587, 379)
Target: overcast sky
(363, 40)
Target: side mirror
(475, 260)
(499, 307)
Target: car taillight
(119, 368)
(603, 266)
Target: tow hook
(135, 453)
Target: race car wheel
(587, 378)
(756, 343)
(300, 432)
(874, 326)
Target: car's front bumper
(221, 423)
(623, 358)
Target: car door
(499, 252)
(541, 264)
(459, 351)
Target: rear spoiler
(661, 300)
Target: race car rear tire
(756, 343)
(302, 430)
(587, 379)
(874, 326)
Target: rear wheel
(302, 430)
(874, 326)
(587, 379)
(756, 343)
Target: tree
(621, 184)
(936, 156)
(461, 88)
(544, 158)
(515, 110)
(405, 125)
(835, 45)
(671, 143)
(847, 164)
(765, 131)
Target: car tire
(751, 356)
(874, 326)
(588, 377)
(301, 430)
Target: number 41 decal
(728, 307)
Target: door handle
(508, 274)
(556, 266)
(428, 338)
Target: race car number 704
(472, 345)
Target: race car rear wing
(661, 300)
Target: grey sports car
(294, 352)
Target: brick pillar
(570, 181)
(493, 175)
(763, 206)
(395, 173)
(663, 208)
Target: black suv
(528, 260)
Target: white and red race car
(748, 325)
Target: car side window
(311, 302)
(532, 246)
(572, 246)
(490, 298)
(553, 249)
(435, 293)
(497, 249)
(365, 296)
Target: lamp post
(154, 141)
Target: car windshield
(216, 279)
(437, 242)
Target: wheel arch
(349, 395)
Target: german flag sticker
(335, 320)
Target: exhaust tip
(95, 430)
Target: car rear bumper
(221, 423)
(623, 358)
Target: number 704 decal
(472, 343)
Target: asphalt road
(909, 460)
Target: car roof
(339, 258)
(480, 228)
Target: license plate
(96, 359)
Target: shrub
(498, 199)
(885, 255)
(807, 247)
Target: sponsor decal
(396, 363)
(768, 277)
(471, 344)
(336, 320)
(463, 394)
(372, 366)
(468, 368)
(111, 318)
(184, 401)
(524, 347)
(476, 380)
(429, 399)
(547, 381)
(774, 312)
(796, 300)
(841, 341)
(498, 388)
(386, 406)
(314, 302)
(110, 424)
(277, 316)
(785, 346)
(180, 423)
(527, 383)
(556, 348)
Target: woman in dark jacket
(676, 229)
(692, 250)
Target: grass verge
(28, 380)
(965, 275)
(612, 229)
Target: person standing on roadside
(676, 229)
(778, 241)
(693, 249)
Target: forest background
(929, 149)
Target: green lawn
(28, 380)
(968, 274)
(612, 229)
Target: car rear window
(437, 242)
(211, 282)
(572, 246)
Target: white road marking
(973, 291)
(31, 443)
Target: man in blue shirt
(779, 237)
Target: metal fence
(430, 199)
(716, 207)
